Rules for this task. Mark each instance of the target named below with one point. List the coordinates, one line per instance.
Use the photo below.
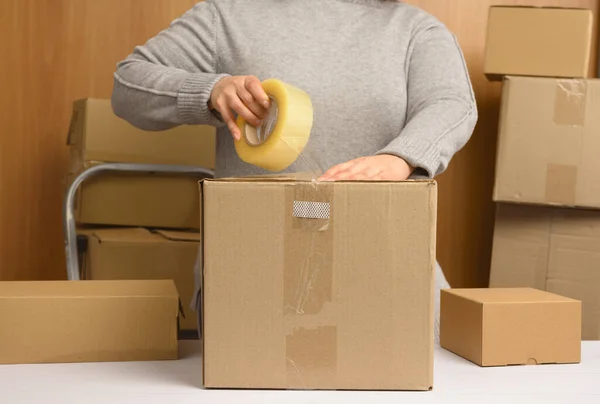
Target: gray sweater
(383, 77)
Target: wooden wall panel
(55, 51)
(466, 211)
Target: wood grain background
(55, 51)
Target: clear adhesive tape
(283, 135)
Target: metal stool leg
(69, 224)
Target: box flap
(174, 235)
(77, 124)
(83, 230)
(508, 295)
(520, 6)
(306, 177)
(133, 235)
(84, 288)
(138, 235)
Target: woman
(388, 83)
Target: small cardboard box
(512, 326)
(540, 41)
(136, 253)
(318, 286)
(97, 136)
(552, 249)
(88, 321)
(548, 143)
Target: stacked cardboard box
(140, 253)
(547, 231)
(139, 225)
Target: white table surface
(174, 382)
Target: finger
(229, 121)
(251, 103)
(335, 170)
(367, 174)
(253, 85)
(345, 176)
(350, 170)
(242, 110)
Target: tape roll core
(257, 136)
(282, 137)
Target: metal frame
(69, 224)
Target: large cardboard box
(87, 321)
(510, 326)
(548, 142)
(552, 249)
(540, 41)
(137, 253)
(96, 136)
(318, 286)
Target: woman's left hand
(383, 167)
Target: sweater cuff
(416, 152)
(193, 97)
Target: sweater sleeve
(441, 107)
(168, 81)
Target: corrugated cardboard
(534, 41)
(548, 143)
(99, 135)
(136, 199)
(326, 286)
(88, 321)
(551, 249)
(510, 326)
(136, 253)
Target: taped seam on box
(542, 275)
(310, 336)
(570, 102)
(308, 248)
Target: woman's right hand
(243, 95)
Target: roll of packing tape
(282, 137)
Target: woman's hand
(383, 167)
(243, 95)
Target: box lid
(526, 6)
(508, 295)
(174, 235)
(92, 289)
(305, 177)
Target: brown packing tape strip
(570, 102)
(561, 184)
(570, 106)
(311, 332)
(547, 215)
